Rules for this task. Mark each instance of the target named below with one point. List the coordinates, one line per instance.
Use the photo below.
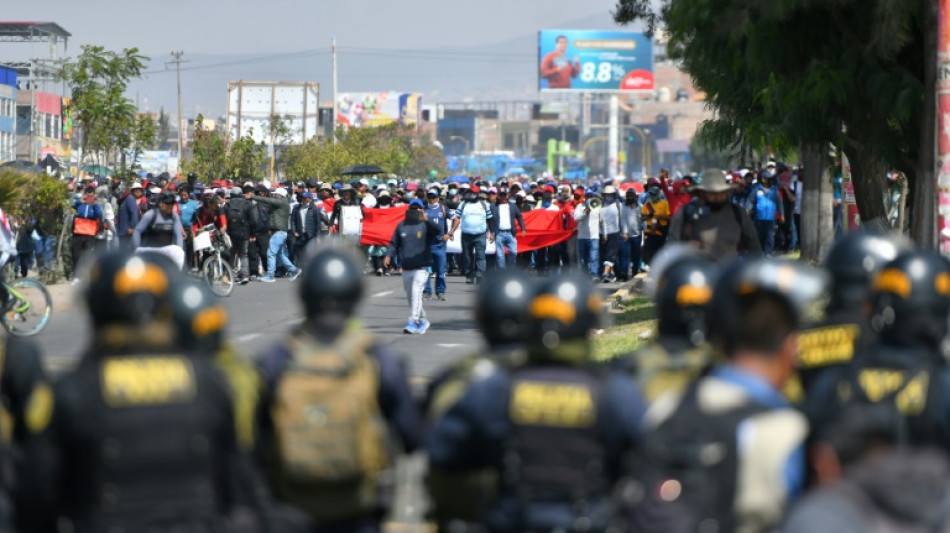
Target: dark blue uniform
(568, 428)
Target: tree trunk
(923, 212)
(809, 232)
(868, 172)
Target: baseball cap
(325, 187)
(155, 190)
(384, 194)
(493, 190)
(236, 191)
(307, 195)
(380, 186)
(364, 181)
(416, 203)
(136, 185)
(280, 191)
(433, 192)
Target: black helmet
(683, 293)
(167, 198)
(130, 289)
(911, 299)
(332, 283)
(501, 307)
(199, 316)
(564, 308)
(853, 263)
(795, 285)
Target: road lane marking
(245, 338)
(449, 345)
(381, 294)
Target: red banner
(544, 228)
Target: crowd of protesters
(617, 227)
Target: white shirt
(303, 216)
(798, 198)
(504, 217)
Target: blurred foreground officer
(333, 400)
(142, 435)
(906, 368)
(727, 453)
(501, 312)
(680, 352)
(553, 430)
(870, 481)
(853, 263)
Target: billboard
(252, 103)
(595, 61)
(376, 109)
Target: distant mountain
(503, 71)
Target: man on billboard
(557, 69)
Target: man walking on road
(279, 217)
(411, 245)
(506, 214)
(437, 212)
(474, 216)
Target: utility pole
(177, 61)
(333, 47)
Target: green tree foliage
(208, 153)
(397, 149)
(245, 159)
(97, 80)
(793, 73)
(164, 130)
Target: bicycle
(215, 269)
(29, 309)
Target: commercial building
(8, 90)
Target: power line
(274, 57)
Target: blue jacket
(767, 203)
(472, 436)
(412, 244)
(129, 215)
(90, 211)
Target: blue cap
(417, 203)
(307, 195)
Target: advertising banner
(595, 61)
(356, 110)
(943, 127)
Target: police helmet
(501, 306)
(564, 308)
(911, 299)
(791, 285)
(332, 283)
(853, 263)
(199, 316)
(129, 289)
(684, 291)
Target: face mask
(385, 200)
(631, 201)
(716, 206)
(413, 216)
(655, 193)
(577, 197)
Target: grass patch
(633, 327)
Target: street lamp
(463, 139)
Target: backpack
(684, 477)
(331, 439)
(692, 213)
(237, 218)
(259, 223)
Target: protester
(474, 216)
(439, 213)
(505, 214)
(412, 245)
(708, 224)
(587, 217)
(86, 225)
(656, 217)
(160, 231)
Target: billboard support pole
(613, 137)
(333, 46)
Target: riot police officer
(680, 351)
(554, 429)
(852, 264)
(501, 312)
(141, 435)
(906, 367)
(333, 400)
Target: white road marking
(245, 338)
(381, 294)
(450, 345)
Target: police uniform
(553, 430)
(141, 435)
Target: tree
(143, 136)
(97, 80)
(164, 130)
(209, 151)
(245, 158)
(793, 73)
(280, 133)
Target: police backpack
(331, 441)
(684, 476)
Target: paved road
(261, 312)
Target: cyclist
(159, 230)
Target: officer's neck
(326, 328)
(771, 368)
